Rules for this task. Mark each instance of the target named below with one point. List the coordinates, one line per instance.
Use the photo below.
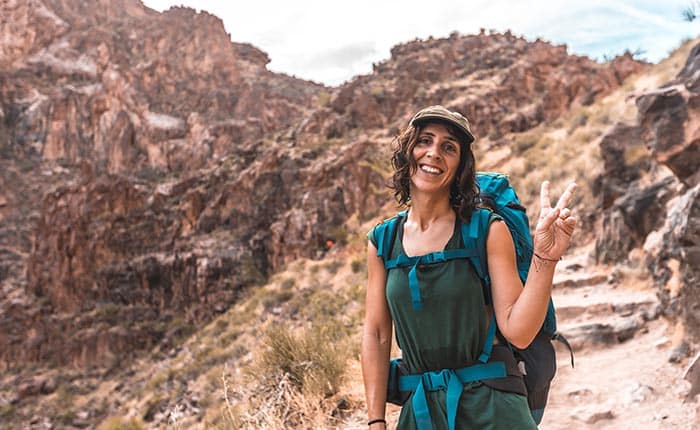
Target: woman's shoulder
(376, 233)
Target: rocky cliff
(103, 107)
(649, 192)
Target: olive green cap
(441, 113)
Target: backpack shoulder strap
(386, 233)
(474, 237)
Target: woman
(434, 172)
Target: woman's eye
(450, 148)
(424, 141)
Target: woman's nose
(433, 152)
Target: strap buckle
(434, 381)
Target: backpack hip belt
(452, 380)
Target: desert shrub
(333, 266)
(323, 99)
(309, 360)
(119, 423)
(357, 265)
(525, 141)
(297, 377)
(7, 411)
(288, 284)
(578, 119)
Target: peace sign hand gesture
(555, 225)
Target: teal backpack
(538, 358)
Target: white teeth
(429, 169)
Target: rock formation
(661, 216)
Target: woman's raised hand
(555, 224)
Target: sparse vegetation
(323, 99)
(288, 284)
(357, 265)
(309, 360)
(160, 378)
(297, 376)
(119, 423)
(689, 13)
(578, 119)
(6, 411)
(333, 266)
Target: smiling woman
(456, 372)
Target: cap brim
(428, 117)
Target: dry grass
(119, 423)
(296, 379)
(308, 361)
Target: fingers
(566, 197)
(569, 225)
(546, 220)
(544, 196)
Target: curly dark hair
(464, 190)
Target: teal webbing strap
(474, 236)
(431, 258)
(472, 373)
(384, 233)
(387, 233)
(474, 225)
(478, 372)
(490, 334)
(414, 288)
(380, 231)
(400, 261)
(451, 380)
(454, 393)
(421, 412)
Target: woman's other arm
(520, 311)
(376, 338)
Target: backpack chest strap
(431, 258)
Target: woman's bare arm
(376, 337)
(520, 311)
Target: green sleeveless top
(448, 333)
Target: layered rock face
(125, 87)
(670, 122)
(152, 169)
(663, 216)
(104, 106)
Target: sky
(331, 42)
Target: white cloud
(333, 41)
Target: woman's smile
(431, 170)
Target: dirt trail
(623, 377)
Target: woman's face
(437, 155)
